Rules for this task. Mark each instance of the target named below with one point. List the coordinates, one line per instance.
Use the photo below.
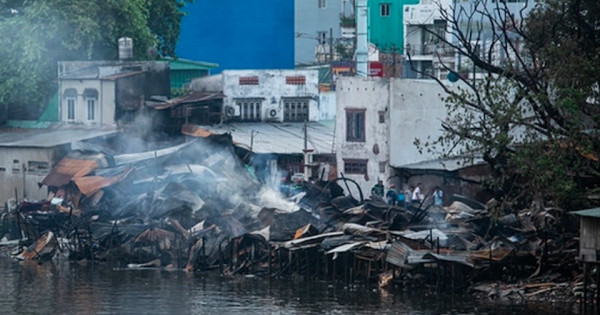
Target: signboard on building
(375, 69)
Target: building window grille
(91, 109)
(322, 4)
(355, 125)
(251, 80)
(38, 167)
(295, 109)
(385, 9)
(355, 166)
(381, 117)
(382, 167)
(295, 80)
(70, 108)
(250, 109)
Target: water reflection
(63, 287)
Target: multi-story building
(386, 29)
(427, 32)
(378, 122)
(320, 26)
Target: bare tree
(530, 107)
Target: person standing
(417, 196)
(392, 195)
(378, 189)
(438, 196)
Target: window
(355, 125)
(322, 37)
(295, 80)
(250, 109)
(37, 167)
(295, 109)
(355, 166)
(70, 108)
(252, 80)
(381, 117)
(91, 108)
(70, 97)
(322, 4)
(382, 167)
(385, 9)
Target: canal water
(62, 287)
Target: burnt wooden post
(585, 274)
(597, 288)
(333, 268)
(270, 261)
(220, 259)
(308, 275)
(346, 269)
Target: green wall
(387, 31)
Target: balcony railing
(429, 49)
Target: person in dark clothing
(392, 195)
(378, 189)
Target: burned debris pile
(198, 207)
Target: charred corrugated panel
(68, 169)
(397, 254)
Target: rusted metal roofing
(68, 169)
(89, 185)
(195, 131)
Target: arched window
(70, 97)
(90, 96)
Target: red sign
(375, 69)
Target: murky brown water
(68, 288)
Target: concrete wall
(373, 95)
(105, 104)
(327, 104)
(417, 110)
(18, 170)
(410, 108)
(272, 89)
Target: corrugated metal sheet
(594, 213)
(282, 138)
(89, 185)
(195, 97)
(67, 169)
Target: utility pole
(330, 45)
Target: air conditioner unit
(232, 111)
(273, 113)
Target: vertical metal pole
(585, 283)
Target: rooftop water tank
(125, 48)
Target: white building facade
(378, 121)
(265, 95)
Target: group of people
(413, 193)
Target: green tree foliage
(38, 34)
(534, 114)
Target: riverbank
(62, 286)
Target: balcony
(429, 50)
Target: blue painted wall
(255, 34)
